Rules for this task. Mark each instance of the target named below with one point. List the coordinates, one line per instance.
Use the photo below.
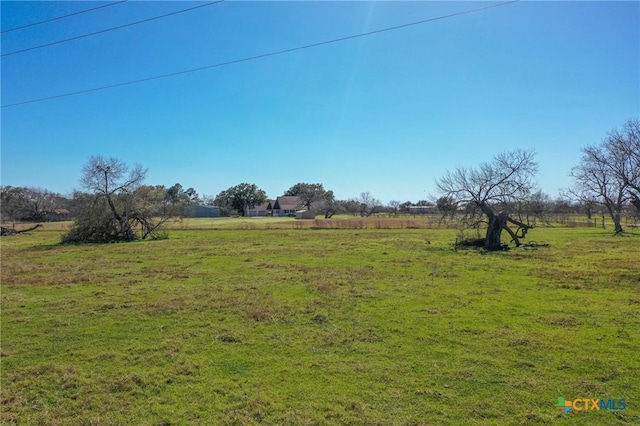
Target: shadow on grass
(478, 246)
(45, 247)
(64, 244)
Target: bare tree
(327, 206)
(368, 203)
(609, 173)
(447, 207)
(28, 204)
(593, 178)
(625, 143)
(115, 205)
(14, 203)
(535, 207)
(491, 189)
(393, 207)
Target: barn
(202, 211)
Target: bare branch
(609, 173)
(508, 178)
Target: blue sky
(387, 113)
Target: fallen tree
(5, 232)
(116, 206)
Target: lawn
(263, 323)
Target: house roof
(288, 202)
(264, 206)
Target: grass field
(232, 322)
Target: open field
(264, 323)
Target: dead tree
(114, 208)
(492, 188)
(609, 173)
(10, 231)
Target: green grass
(274, 325)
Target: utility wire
(64, 16)
(264, 55)
(111, 29)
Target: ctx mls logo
(590, 404)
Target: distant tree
(587, 203)
(562, 205)
(310, 194)
(178, 195)
(350, 206)
(536, 206)
(609, 173)
(241, 197)
(174, 193)
(447, 206)
(29, 204)
(115, 206)
(327, 206)
(491, 189)
(153, 200)
(367, 203)
(177, 199)
(41, 204)
(13, 203)
(393, 207)
(404, 207)
(208, 200)
(192, 196)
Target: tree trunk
(497, 222)
(125, 228)
(615, 216)
(7, 231)
(617, 224)
(494, 230)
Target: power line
(111, 29)
(64, 16)
(264, 55)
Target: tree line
(28, 204)
(501, 195)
